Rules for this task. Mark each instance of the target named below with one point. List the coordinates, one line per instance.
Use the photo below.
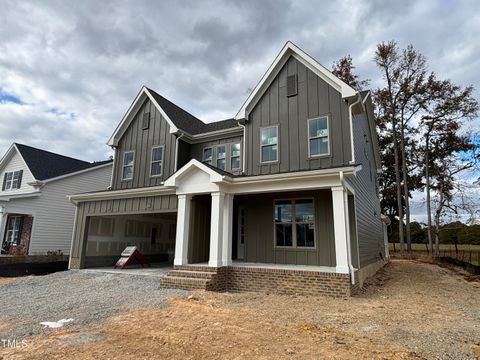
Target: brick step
(175, 282)
(202, 268)
(191, 274)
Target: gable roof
(290, 49)
(178, 118)
(46, 165)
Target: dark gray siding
(199, 237)
(141, 141)
(183, 153)
(196, 150)
(367, 203)
(315, 98)
(259, 230)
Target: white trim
(121, 194)
(277, 144)
(216, 229)
(110, 163)
(213, 135)
(328, 153)
(131, 112)
(215, 177)
(291, 49)
(123, 165)
(157, 161)
(19, 196)
(183, 230)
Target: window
(207, 155)
(318, 143)
(14, 229)
(235, 156)
(12, 180)
(146, 121)
(157, 161)
(128, 162)
(221, 155)
(295, 223)
(269, 144)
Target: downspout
(243, 147)
(349, 250)
(176, 150)
(113, 159)
(350, 115)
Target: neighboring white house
(35, 216)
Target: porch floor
(156, 270)
(239, 263)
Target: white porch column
(183, 229)
(216, 229)
(227, 230)
(341, 229)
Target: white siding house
(36, 217)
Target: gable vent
(146, 121)
(292, 85)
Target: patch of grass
(447, 247)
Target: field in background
(447, 247)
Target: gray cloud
(90, 58)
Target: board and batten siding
(259, 230)
(141, 142)
(16, 163)
(314, 98)
(54, 213)
(139, 205)
(367, 203)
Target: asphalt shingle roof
(186, 121)
(46, 165)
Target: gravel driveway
(81, 295)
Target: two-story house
(36, 217)
(282, 197)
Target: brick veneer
(240, 278)
(22, 248)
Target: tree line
(426, 140)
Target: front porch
(294, 238)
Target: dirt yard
(411, 310)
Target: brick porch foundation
(22, 248)
(242, 278)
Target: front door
(241, 233)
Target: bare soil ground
(410, 310)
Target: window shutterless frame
(235, 157)
(223, 157)
(156, 161)
(294, 225)
(132, 165)
(265, 145)
(208, 160)
(309, 138)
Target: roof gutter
(350, 114)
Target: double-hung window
(221, 156)
(12, 180)
(295, 223)
(156, 165)
(128, 163)
(13, 229)
(269, 144)
(318, 139)
(207, 155)
(235, 156)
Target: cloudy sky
(70, 69)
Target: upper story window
(235, 156)
(128, 162)
(295, 223)
(269, 144)
(207, 155)
(221, 156)
(318, 139)
(156, 166)
(12, 180)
